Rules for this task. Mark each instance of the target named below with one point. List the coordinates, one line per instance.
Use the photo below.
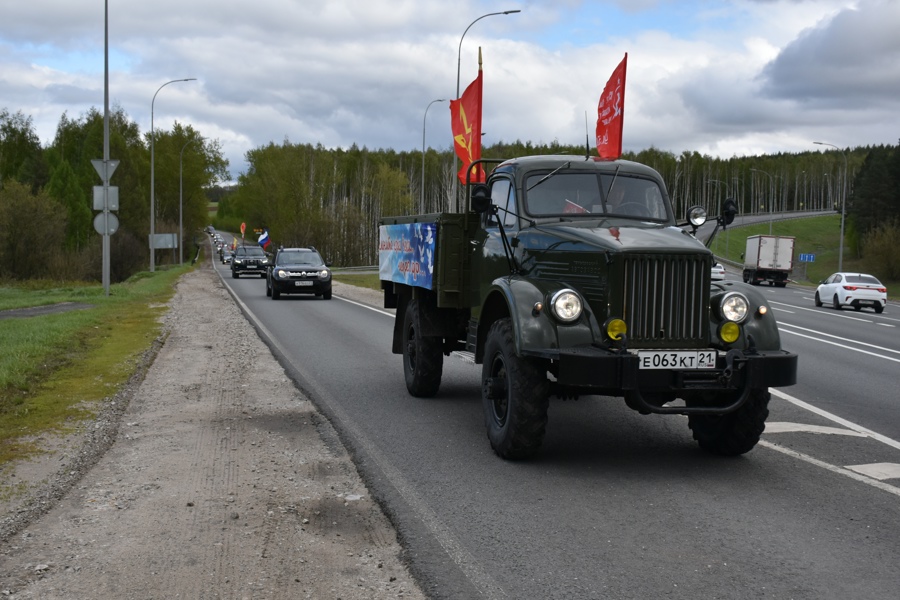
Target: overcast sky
(723, 77)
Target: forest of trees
(332, 198)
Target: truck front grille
(665, 300)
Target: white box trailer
(768, 258)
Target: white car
(854, 289)
(718, 272)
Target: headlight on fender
(734, 306)
(729, 332)
(566, 305)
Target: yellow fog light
(729, 332)
(616, 328)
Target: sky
(723, 78)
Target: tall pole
(459, 63)
(181, 202)
(104, 275)
(152, 177)
(422, 200)
(843, 203)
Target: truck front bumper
(592, 370)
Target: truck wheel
(515, 395)
(423, 357)
(735, 433)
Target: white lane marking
(836, 419)
(885, 324)
(837, 337)
(897, 360)
(381, 311)
(784, 310)
(879, 471)
(824, 312)
(780, 427)
(833, 468)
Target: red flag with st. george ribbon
(611, 114)
(465, 122)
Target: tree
(29, 223)
(21, 157)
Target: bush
(880, 250)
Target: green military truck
(566, 277)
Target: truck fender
(763, 328)
(535, 331)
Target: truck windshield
(586, 195)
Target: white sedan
(718, 272)
(852, 289)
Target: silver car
(852, 289)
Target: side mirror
(481, 198)
(729, 209)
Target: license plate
(677, 359)
(302, 283)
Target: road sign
(807, 258)
(113, 197)
(106, 223)
(163, 241)
(105, 169)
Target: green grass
(817, 235)
(366, 280)
(56, 369)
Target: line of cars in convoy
(289, 271)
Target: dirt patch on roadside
(211, 477)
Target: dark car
(249, 259)
(298, 271)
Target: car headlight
(324, 275)
(734, 307)
(566, 305)
(237, 261)
(281, 273)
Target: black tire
(857, 307)
(327, 295)
(735, 433)
(423, 357)
(234, 275)
(835, 303)
(818, 300)
(263, 275)
(879, 309)
(275, 293)
(268, 289)
(515, 395)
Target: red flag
(465, 122)
(611, 114)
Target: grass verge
(56, 368)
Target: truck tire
(735, 433)
(515, 395)
(423, 357)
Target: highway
(619, 505)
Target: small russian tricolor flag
(264, 240)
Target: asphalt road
(619, 505)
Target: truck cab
(566, 277)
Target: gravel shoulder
(209, 476)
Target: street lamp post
(422, 201)
(152, 176)
(459, 63)
(843, 204)
(181, 202)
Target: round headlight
(566, 305)
(324, 275)
(734, 307)
(282, 273)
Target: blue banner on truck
(406, 253)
